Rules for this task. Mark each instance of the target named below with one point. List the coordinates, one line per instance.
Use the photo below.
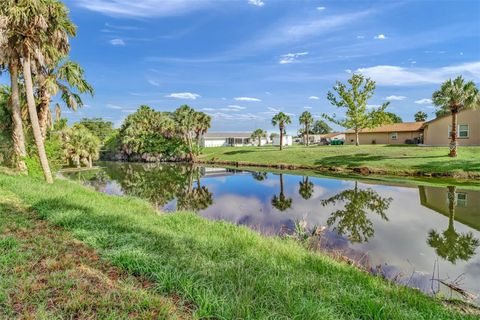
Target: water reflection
(259, 176)
(281, 202)
(352, 220)
(452, 245)
(306, 188)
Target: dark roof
(227, 135)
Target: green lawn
(384, 159)
(222, 271)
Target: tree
(420, 116)
(281, 119)
(187, 124)
(273, 135)
(258, 134)
(352, 219)
(80, 146)
(306, 120)
(305, 188)
(451, 245)
(354, 97)
(60, 77)
(321, 127)
(456, 95)
(281, 202)
(203, 123)
(98, 127)
(259, 175)
(394, 117)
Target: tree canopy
(420, 116)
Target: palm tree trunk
(306, 130)
(43, 109)
(281, 184)
(18, 136)
(90, 161)
(32, 110)
(453, 142)
(281, 138)
(259, 141)
(452, 203)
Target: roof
(227, 135)
(394, 127)
(331, 135)
(449, 115)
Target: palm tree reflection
(306, 188)
(281, 202)
(451, 245)
(259, 176)
(352, 220)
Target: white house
(231, 139)
(287, 140)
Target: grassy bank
(224, 271)
(376, 159)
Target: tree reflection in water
(259, 176)
(306, 188)
(281, 202)
(194, 199)
(352, 220)
(451, 245)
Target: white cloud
(113, 106)
(208, 109)
(380, 37)
(307, 107)
(321, 8)
(117, 42)
(314, 98)
(154, 83)
(129, 110)
(258, 3)
(348, 71)
(250, 99)
(400, 76)
(373, 106)
(291, 57)
(395, 98)
(143, 8)
(271, 109)
(184, 95)
(424, 101)
(236, 107)
(360, 36)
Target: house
(395, 133)
(437, 131)
(328, 137)
(232, 139)
(287, 140)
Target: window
(461, 199)
(462, 132)
(393, 136)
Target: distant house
(437, 131)
(318, 138)
(231, 139)
(287, 140)
(395, 133)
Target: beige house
(395, 133)
(437, 131)
(317, 138)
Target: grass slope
(227, 272)
(45, 274)
(391, 159)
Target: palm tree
(451, 245)
(80, 146)
(259, 176)
(281, 202)
(420, 116)
(185, 119)
(60, 78)
(306, 119)
(306, 188)
(203, 123)
(352, 219)
(9, 56)
(281, 119)
(456, 95)
(258, 134)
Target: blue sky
(241, 61)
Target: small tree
(258, 134)
(306, 119)
(456, 95)
(281, 119)
(321, 127)
(354, 98)
(394, 117)
(420, 116)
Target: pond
(410, 234)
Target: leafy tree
(451, 245)
(306, 188)
(281, 202)
(352, 219)
(354, 97)
(194, 199)
(6, 125)
(258, 134)
(456, 95)
(306, 119)
(394, 118)
(321, 127)
(203, 123)
(259, 176)
(80, 146)
(99, 127)
(273, 135)
(420, 116)
(281, 119)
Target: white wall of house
(214, 142)
(287, 141)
